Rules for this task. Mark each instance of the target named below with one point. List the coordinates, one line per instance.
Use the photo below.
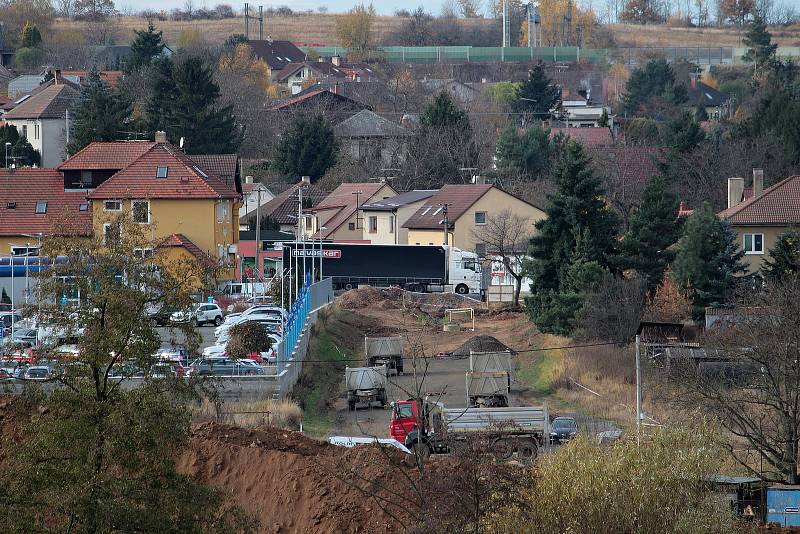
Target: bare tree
(506, 236)
(755, 391)
(470, 8)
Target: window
(753, 243)
(391, 224)
(142, 253)
(480, 217)
(41, 206)
(373, 224)
(112, 205)
(161, 172)
(84, 206)
(308, 222)
(86, 178)
(480, 249)
(141, 211)
(36, 131)
(24, 251)
(25, 131)
(351, 226)
(11, 205)
(223, 212)
(111, 234)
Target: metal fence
(480, 54)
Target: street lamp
(7, 145)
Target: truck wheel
(461, 289)
(527, 449)
(502, 448)
(348, 287)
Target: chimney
(735, 191)
(57, 78)
(161, 137)
(478, 180)
(336, 60)
(305, 179)
(248, 179)
(758, 182)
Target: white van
(237, 290)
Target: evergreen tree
(653, 230)
(183, 103)
(707, 261)
(4, 298)
(579, 229)
(307, 148)
(758, 41)
(784, 256)
(31, 37)
(444, 113)
(537, 95)
(146, 46)
(21, 152)
(101, 115)
(527, 154)
(683, 133)
(655, 81)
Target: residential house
(461, 92)
(338, 216)
(255, 195)
(588, 137)
(384, 219)
(469, 208)
(368, 137)
(277, 54)
(295, 76)
(761, 219)
(271, 259)
(716, 104)
(372, 93)
(112, 78)
(42, 118)
(283, 209)
(327, 103)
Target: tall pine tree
(708, 260)
(784, 257)
(653, 230)
(579, 227)
(656, 80)
(760, 49)
(537, 95)
(101, 115)
(183, 103)
(147, 45)
(307, 148)
(528, 154)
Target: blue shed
(783, 505)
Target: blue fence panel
(298, 316)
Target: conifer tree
(527, 154)
(146, 46)
(784, 256)
(307, 148)
(537, 95)
(101, 115)
(760, 49)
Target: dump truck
(365, 385)
(430, 428)
(384, 351)
(489, 379)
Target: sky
(382, 6)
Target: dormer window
(161, 172)
(11, 205)
(41, 207)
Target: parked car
(175, 353)
(126, 370)
(250, 301)
(159, 315)
(167, 370)
(7, 318)
(23, 336)
(5, 375)
(223, 367)
(37, 372)
(563, 429)
(202, 314)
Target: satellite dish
(181, 142)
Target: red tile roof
(102, 155)
(283, 208)
(589, 137)
(458, 198)
(50, 103)
(316, 94)
(778, 205)
(343, 199)
(220, 165)
(25, 187)
(184, 178)
(110, 77)
(180, 240)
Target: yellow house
(760, 216)
(467, 209)
(182, 204)
(338, 214)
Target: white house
(43, 118)
(254, 195)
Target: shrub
(247, 338)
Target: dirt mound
(289, 482)
(396, 297)
(480, 344)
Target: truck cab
(464, 271)
(405, 419)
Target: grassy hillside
(321, 29)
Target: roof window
(41, 206)
(161, 172)
(200, 171)
(11, 205)
(84, 206)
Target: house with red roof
(760, 216)
(469, 208)
(338, 217)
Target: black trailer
(413, 267)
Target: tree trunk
(517, 290)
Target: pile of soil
(432, 303)
(291, 483)
(480, 344)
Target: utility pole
(445, 222)
(246, 21)
(506, 25)
(638, 391)
(259, 267)
(260, 23)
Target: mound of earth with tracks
(291, 483)
(432, 303)
(480, 344)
